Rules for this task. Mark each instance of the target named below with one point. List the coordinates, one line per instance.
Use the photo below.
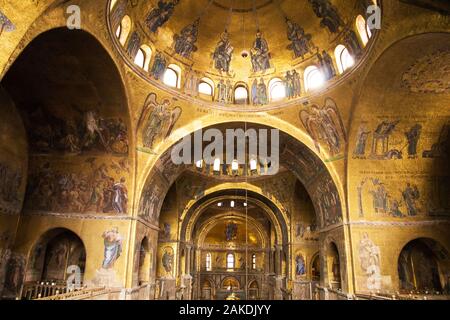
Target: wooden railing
(333, 294)
(82, 294)
(39, 290)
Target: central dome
(239, 41)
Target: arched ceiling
(294, 156)
(242, 19)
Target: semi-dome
(241, 52)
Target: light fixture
(232, 203)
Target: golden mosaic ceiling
(242, 19)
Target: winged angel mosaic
(324, 125)
(157, 120)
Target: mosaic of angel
(160, 15)
(158, 120)
(324, 125)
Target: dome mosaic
(251, 52)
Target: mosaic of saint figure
(160, 15)
(185, 41)
(361, 143)
(134, 44)
(149, 204)
(120, 197)
(159, 66)
(300, 266)
(326, 65)
(324, 124)
(292, 84)
(255, 92)
(191, 84)
(352, 43)
(328, 13)
(223, 53)
(167, 260)
(369, 255)
(222, 91)
(231, 231)
(380, 197)
(259, 92)
(159, 120)
(260, 54)
(413, 136)
(300, 42)
(113, 247)
(410, 196)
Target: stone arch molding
(191, 215)
(161, 168)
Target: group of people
(293, 84)
(10, 181)
(96, 191)
(225, 91)
(91, 132)
(259, 92)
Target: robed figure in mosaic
(185, 42)
(300, 42)
(260, 54)
(113, 247)
(160, 15)
(223, 53)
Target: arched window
(146, 52)
(234, 166)
(119, 31)
(139, 60)
(363, 30)
(253, 165)
(315, 268)
(206, 87)
(144, 262)
(241, 95)
(123, 30)
(333, 266)
(419, 266)
(199, 164)
(208, 262)
(112, 5)
(172, 76)
(313, 78)
(216, 166)
(230, 261)
(277, 89)
(344, 59)
(254, 262)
